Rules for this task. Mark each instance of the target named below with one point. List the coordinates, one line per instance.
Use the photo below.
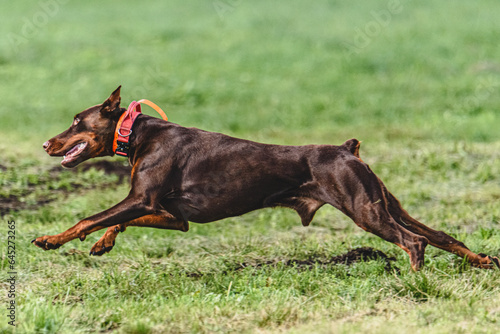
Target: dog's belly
(206, 211)
(228, 195)
(212, 202)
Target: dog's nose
(46, 145)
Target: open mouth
(72, 154)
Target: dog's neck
(123, 130)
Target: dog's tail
(352, 145)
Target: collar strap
(121, 144)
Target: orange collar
(123, 130)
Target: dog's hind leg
(437, 239)
(373, 217)
(355, 190)
(161, 221)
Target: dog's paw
(496, 261)
(486, 262)
(47, 242)
(103, 245)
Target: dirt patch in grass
(8, 204)
(109, 167)
(17, 202)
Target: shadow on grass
(362, 254)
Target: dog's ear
(113, 101)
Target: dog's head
(90, 135)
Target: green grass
(420, 89)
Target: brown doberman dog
(185, 174)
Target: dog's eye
(76, 121)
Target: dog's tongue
(74, 149)
(77, 149)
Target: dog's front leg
(162, 221)
(129, 209)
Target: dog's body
(185, 174)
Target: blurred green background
(291, 72)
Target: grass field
(417, 81)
